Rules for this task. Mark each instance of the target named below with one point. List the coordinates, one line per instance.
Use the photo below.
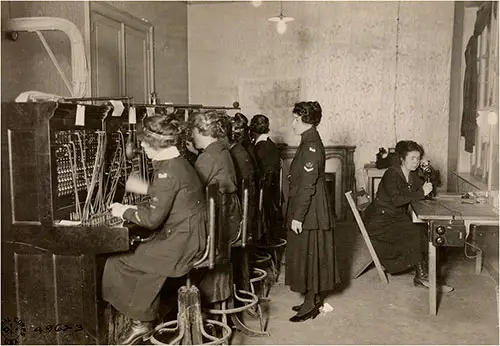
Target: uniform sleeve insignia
(313, 149)
(136, 214)
(162, 175)
(309, 167)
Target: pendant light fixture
(281, 21)
(256, 3)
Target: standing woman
(175, 213)
(310, 258)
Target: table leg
(478, 252)
(432, 280)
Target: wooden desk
(449, 207)
(372, 172)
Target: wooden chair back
(351, 197)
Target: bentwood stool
(246, 300)
(190, 326)
(264, 224)
(248, 277)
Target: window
(121, 53)
(481, 95)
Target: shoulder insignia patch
(313, 149)
(162, 175)
(309, 167)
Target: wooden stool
(189, 325)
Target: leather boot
(421, 270)
(138, 330)
(422, 278)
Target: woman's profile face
(197, 138)
(411, 161)
(297, 125)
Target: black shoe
(304, 317)
(421, 271)
(137, 331)
(426, 284)
(297, 307)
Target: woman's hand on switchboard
(118, 209)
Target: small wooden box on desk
(374, 176)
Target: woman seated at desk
(176, 211)
(399, 243)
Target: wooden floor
(367, 312)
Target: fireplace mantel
(344, 153)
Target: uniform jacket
(176, 210)
(269, 161)
(308, 200)
(268, 156)
(242, 162)
(214, 165)
(250, 149)
(395, 193)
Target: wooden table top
(452, 206)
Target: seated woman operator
(400, 243)
(215, 165)
(269, 162)
(176, 212)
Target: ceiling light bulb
(281, 27)
(256, 3)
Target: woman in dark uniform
(268, 159)
(241, 134)
(243, 164)
(214, 165)
(399, 243)
(176, 212)
(310, 258)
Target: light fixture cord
(396, 76)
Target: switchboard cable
(99, 201)
(84, 161)
(114, 173)
(73, 175)
(95, 173)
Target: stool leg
(195, 316)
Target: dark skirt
(311, 261)
(398, 242)
(131, 291)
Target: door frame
(127, 20)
